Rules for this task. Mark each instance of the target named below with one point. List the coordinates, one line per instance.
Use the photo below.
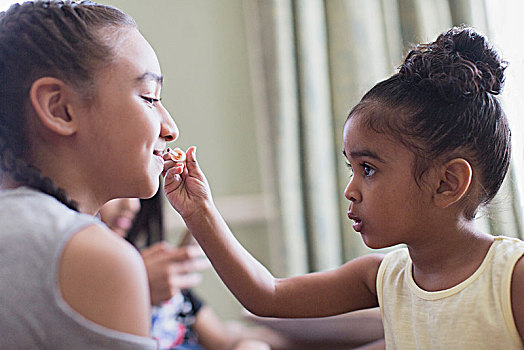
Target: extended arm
(347, 288)
(343, 331)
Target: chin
(372, 244)
(146, 188)
(375, 246)
(150, 192)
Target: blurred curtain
(311, 61)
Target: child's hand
(185, 184)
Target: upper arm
(102, 277)
(350, 287)
(517, 295)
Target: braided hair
(61, 39)
(443, 104)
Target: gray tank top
(34, 229)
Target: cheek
(139, 131)
(390, 204)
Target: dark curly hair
(442, 104)
(62, 39)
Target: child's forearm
(250, 282)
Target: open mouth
(158, 153)
(357, 225)
(357, 222)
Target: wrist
(205, 210)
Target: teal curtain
(311, 61)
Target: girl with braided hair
(81, 123)
(426, 148)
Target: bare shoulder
(102, 277)
(517, 295)
(369, 265)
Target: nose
(351, 193)
(168, 128)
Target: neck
(449, 256)
(57, 159)
(86, 200)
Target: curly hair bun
(459, 64)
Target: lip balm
(177, 155)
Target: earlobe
(455, 181)
(49, 98)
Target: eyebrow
(364, 153)
(147, 76)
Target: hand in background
(185, 185)
(171, 269)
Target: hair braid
(28, 174)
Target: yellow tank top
(475, 314)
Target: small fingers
(191, 266)
(186, 281)
(156, 248)
(188, 253)
(188, 262)
(175, 155)
(174, 159)
(177, 167)
(173, 178)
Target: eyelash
(150, 100)
(367, 169)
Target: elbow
(265, 302)
(260, 311)
(259, 307)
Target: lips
(357, 222)
(158, 155)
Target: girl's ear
(455, 181)
(50, 98)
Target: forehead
(135, 60)
(360, 140)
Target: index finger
(187, 253)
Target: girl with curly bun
(80, 123)
(426, 148)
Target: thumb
(191, 161)
(192, 164)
